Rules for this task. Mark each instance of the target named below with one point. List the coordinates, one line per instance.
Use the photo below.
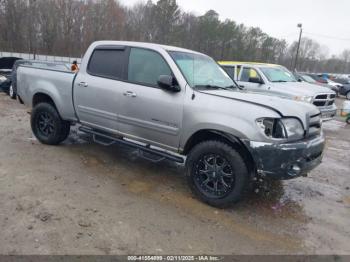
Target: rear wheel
(47, 125)
(12, 93)
(217, 173)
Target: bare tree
(67, 28)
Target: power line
(327, 36)
(291, 34)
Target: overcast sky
(326, 21)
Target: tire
(47, 125)
(217, 173)
(12, 93)
(348, 120)
(347, 95)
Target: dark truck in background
(6, 65)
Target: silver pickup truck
(276, 80)
(176, 104)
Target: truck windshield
(201, 71)
(278, 74)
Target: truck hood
(285, 107)
(301, 88)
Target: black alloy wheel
(214, 176)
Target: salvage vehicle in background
(334, 84)
(345, 89)
(177, 104)
(302, 77)
(276, 80)
(319, 78)
(6, 65)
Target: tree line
(67, 28)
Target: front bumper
(328, 112)
(289, 160)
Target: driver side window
(248, 73)
(145, 67)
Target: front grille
(314, 125)
(321, 97)
(319, 103)
(324, 100)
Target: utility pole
(32, 29)
(296, 56)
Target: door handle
(129, 94)
(83, 84)
(241, 86)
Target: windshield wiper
(230, 87)
(214, 87)
(279, 81)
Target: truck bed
(57, 84)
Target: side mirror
(256, 80)
(168, 83)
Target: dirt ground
(83, 198)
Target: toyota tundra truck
(180, 105)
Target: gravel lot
(83, 198)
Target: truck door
(96, 89)
(248, 79)
(148, 113)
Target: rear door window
(145, 67)
(248, 73)
(109, 63)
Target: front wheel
(47, 125)
(217, 173)
(348, 95)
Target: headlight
(307, 99)
(294, 128)
(284, 128)
(3, 79)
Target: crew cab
(276, 80)
(176, 104)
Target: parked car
(276, 80)
(319, 79)
(326, 81)
(301, 77)
(6, 64)
(177, 104)
(342, 80)
(345, 89)
(334, 84)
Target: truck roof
(145, 45)
(232, 63)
